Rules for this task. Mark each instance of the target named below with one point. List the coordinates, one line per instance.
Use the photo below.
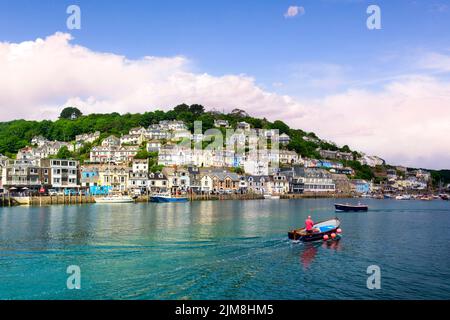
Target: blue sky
(384, 92)
(251, 37)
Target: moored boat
(271, 197)
(167, 197)
(114, 199)
(351, 207)
(403, 197)
(321, 230)
(444, 197)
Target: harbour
(224, 249)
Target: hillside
(17, 134)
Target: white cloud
(407, 121)
(294, 11)
(435, 61)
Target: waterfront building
(219, 180)
(295, 178)
(24, 176)
(259, 184)
(89, 175)
(114, 176)
(280, 183)
(178, 179)
(63, 173)
(315, 180)
(138, 182)
(360, 186)
(157, 182)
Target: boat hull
(102, 200)
(167, 200)
(300, 235)
(348, 208)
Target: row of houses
(61, 174)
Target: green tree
(64, 153)
(69, 111)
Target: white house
(284, 139)
(132, 139)
(153, 146)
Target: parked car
(52, 192)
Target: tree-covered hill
(17, 134)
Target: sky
(313, 64)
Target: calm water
(224, 250)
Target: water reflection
(311, 250)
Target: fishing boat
(167, 197)
(117, 198)
(271, 197)
(351, 207)
(321, 231)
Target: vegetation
(17, 134)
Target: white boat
(114, 199)
(403, 197)
(271, 197)
(167, 197)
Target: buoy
(333, 235)
(339, 230)
(325, 237)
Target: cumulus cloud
(407, 121)
(294, 11)
(38, 77)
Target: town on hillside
(151, 159)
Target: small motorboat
(167, 197)
(322, 231)
(444, 197)
(351, 207)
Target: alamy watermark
(73, 22)
(374, 20)
(74, 280)
(374, 279)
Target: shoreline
(74, 200)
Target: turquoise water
(224, 250)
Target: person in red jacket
(309, 224)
